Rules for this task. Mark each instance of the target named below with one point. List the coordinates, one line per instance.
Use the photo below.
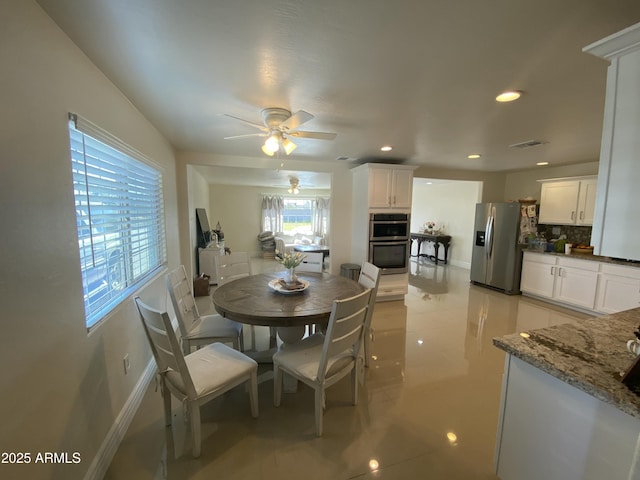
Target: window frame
(118, 196)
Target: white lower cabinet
(618, 288)
(576, 282)
(569, 281)
(538, 274)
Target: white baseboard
(109, 447)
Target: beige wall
(239, 210)
(451, 205)
(61, 388)
(493, 184)
(525, 183)
(235, 209)
(198, 195)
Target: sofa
(286, 243)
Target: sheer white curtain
(320, 216)
(272, 208)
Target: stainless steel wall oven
(389, 235)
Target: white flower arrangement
(432, 228)
(290, 260)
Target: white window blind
(120, 216)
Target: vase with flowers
(431, 228)
(290, 261)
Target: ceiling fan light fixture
(272, 143)
(509, 96)
(294, 182)
(267, 151)
(288, 146)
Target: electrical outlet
(127, 364)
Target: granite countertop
(588, 256)
(588, 354)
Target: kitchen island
(564, 412)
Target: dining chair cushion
(214, 361)
(303, 358)
(209, 326)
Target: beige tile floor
(428, 409)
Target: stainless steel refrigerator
(496, 259)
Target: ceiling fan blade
(297, 119)
(253, 124)
(316, 135)
(246, 135)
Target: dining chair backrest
(232, 266)
(312, 263)
(345, 328)
(184, 305)
(369, 276)
(164, 344)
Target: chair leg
(194, 412)
(253, 393)
(354, 384)
(277, 385)
(319, 410)
(166, 400)
(240, 341)
(367, 347)
(253, 338)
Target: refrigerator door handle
(488, 249)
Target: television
(202, 226)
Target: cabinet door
(379, 188)
(586, 201)
(576, 286)
(559, 202)
(537, 277)
(402, 186)
(616, 293)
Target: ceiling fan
(279, 126)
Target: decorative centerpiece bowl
(290, 262)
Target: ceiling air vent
(527, 144)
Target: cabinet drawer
(589, 265)
(539, 258)
(620, 270)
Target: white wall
(61, 388)
(451, 205)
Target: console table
(437, 240)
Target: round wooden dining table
(250, 300)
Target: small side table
(437, 240)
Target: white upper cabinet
(390, 187)
(568, 201)
(615, 225)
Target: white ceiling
(420, 75)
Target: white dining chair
(196, 329)
(321, 360)
(313, 262)
(231, 267)
(369, 278)
(198, 377)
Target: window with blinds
(120, 216)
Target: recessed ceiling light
(509, 96)
(386, 148)
(540, 164)
(474, 155)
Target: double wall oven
(389, 235)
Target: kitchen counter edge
(588, 354)
(589, 257)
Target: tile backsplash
(575, 234)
